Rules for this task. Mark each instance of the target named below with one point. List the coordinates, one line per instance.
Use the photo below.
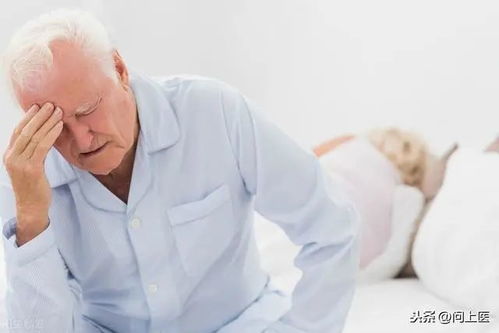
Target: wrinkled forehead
(72, 80)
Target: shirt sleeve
(39, 296)
(292, 190)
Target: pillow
(432, 181)
(408, 203)
(456, 250)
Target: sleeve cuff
(29, 251)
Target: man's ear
(120, 68)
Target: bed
(381, 307)
(386, 307)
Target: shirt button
(135, 223)
(153, 288)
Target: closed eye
(86, 113)
(90, 110)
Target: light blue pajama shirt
(181, 256)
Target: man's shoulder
(193, 85)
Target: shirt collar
(158, 121)
(158, 127)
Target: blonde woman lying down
(372, 167)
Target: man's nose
(81, 136)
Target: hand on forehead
(38, 107)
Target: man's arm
(292, 190)
(39, 296)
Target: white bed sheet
(386, 307)
(382, 307)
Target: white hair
(29, 55)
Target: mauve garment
(370, 179)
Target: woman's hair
(406, 150)
(29, 55)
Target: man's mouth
(94, 152)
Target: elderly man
(127, 203)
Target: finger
(31, 127)
(41, 133)
(47, 142)
(27, 117)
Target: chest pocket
(203, 229)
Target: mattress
(382, 307)
(387, 307)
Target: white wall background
(318, 68)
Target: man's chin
(103, 168)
